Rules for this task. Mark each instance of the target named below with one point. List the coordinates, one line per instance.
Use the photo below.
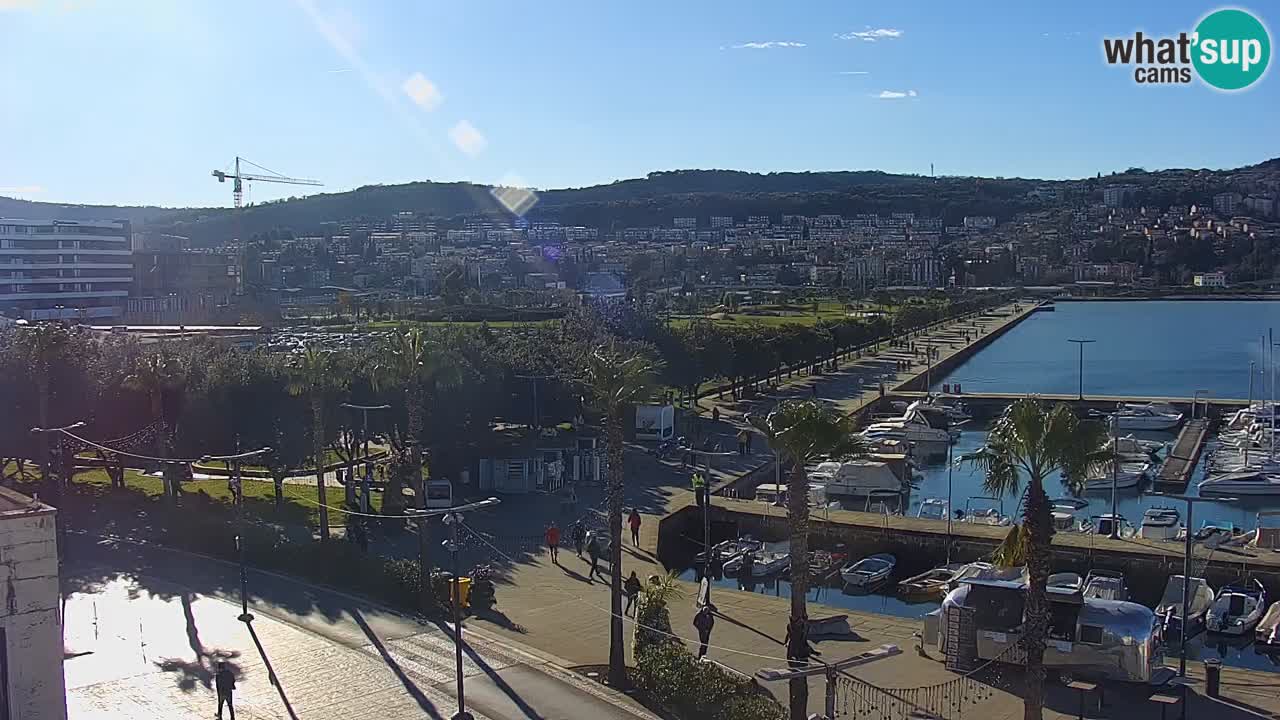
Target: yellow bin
(464, 591)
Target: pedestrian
(742, 442)
(631, 588)
(577, 534)
(553, 542)
(750, 437)
(593, 552)
(225, 683)
(634, 521)
(715, 414)
(703, 621)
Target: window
(1091, 634)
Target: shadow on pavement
(409, 685)
(271, 672)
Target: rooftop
(13, 503)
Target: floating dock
(1176, 471)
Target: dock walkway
(1176, 471)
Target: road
(145, 628)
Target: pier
(1176, 471)
(1105, 403)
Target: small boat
(869, 571)
(824, 563)
(1066, 582)
(1160, 523)
(987, 571)
(1267, 635)
(1105, 585)
(1065, 520)
(1214, 533)
(1106, 523)
(1134, 447)
(1245, 482)
(1170, 608)
(984, 515)
(761, 563)
(1130, 474)
(930, 583)
(726, 550)
(933, 509)
(1237, 609)
(1074, 503)
(1148, 416)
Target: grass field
(801, 314)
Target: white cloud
(422, 92)
(854, 72)
(871, 34)
(768, 45)
(895, 94)
(21, 189)
(17, 4)
(467, 138)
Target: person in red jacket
(553, 542)
(634, 521)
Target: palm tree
(800, 432)
(616, 378)
(1034, 441)
(316, 374)
(157, 376)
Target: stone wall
(29, 610)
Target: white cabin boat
(855, 477)
(1105, 585)
(1247, 482)
(1236, 610)
(1160, 523)
(1170, 608)
(1130, 474)
(1149, 416)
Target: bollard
(1212, 676)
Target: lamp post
(1115, 473)
(364, 411)
(453, 518)
(706, 510)
(56, 485)
(233, 466)
(1191, 501)
(1081, 342)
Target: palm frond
(1013, 550)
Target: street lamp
(233, 466)
(56, 485)
(1081, 342)
(453, 518)
(1191, 501)
(706, 510)
(364, 435)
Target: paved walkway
(145, 629)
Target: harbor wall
(950, 362)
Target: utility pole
(453, 518)
(1081, 342)
(830, 672)
(1115, 473)
(237, 489)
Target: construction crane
(240, 178)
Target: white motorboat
(727, 550)
(1236, 610)
(1106, 523)
(1129, 475)
(855, 477)
(1065, 520)
(1160, 523)
(868, 571)
(1214, 534)
(1105, 585)
(1248, 482)
(987, 571)
(1132, 446)
(930, 583)
(993, 515)
(762, 563)
(1149, 416)
(933, 509)
(1267, 635)
(1066, 582)
(908, 431)
(1170, 608)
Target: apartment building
(61, 269)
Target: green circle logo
(1232, 49)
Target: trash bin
(464, 591)
(1212, 676)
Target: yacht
(1129, 475)
(1160, 523)
(1237, 609)
(1150, 416)
(1247, 482)
(855, 477)
(1105, 585)
(1170, 608)
(869, 571)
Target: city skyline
(576, 95)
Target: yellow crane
(239, 178)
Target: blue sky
(136, 101)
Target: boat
(824, 563)
(1065, 520)
(1237, 609)
(1130, 474)
(1246, 482)
(934, 509)
(1107, 523)
(761, 563)
(1131, 446)
(1066, 582)
(985, 515)
(1160, 523)
(727, 550)
(1148, 416)
(855, 477)
(868, 571)
(929, 584)
(986, 571)
(1267, 634)
(1214, 533)
(919, 424)
(1105, 585)
(884, 502)
(1074, 503)
(1169, 610)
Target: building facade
(30, 626)
(184, 286)
(59, 269)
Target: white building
(979, 222)
(1209, 280)
(1225, 203)
(30, 629)
(52, 269)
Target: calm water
(1147, 348)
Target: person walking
(703, 621)
(553, 542)
(742, 442)
(715, 414)
(593, 552)
(631, 588)
(634, 521)
(225, 683)
(577, 535)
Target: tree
(1035, 442)
(158, 376)
(800, 432)
(315, 374)
(616, 377)
(43, 347)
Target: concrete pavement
(145, 628)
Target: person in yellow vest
(699, 488)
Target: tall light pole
(57, 482)
(237, 488)
(1191, 501)
(1115, 473)
(364, 411)
(706, 511)
(1081, 342)
(453, 518)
